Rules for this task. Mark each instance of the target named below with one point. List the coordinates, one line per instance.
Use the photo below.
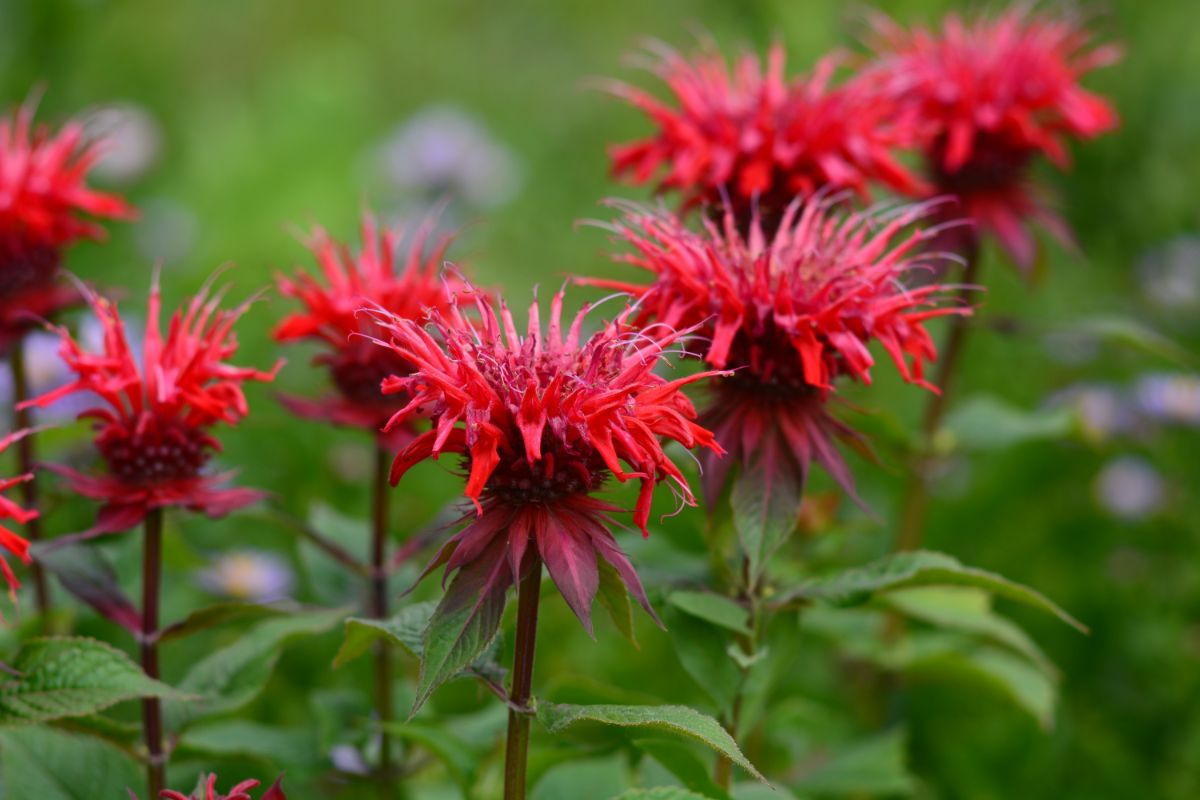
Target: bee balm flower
(753, 136)
(790, 314)
(43, 197)
(207, 790)
(330, 315)
(153, 424)
(9, 510)
(989, 97)
(542, 421)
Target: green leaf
(682, 761)
(660, 793)
(83, 571)
(970, 611)
(403, 629)
(232, 676)
(613, 595)
(48, 764)
(1134, 335)
(216, 615)
(581, 779)
(765, 501)
(988, 423)
(873, 766)
(679, 720)
(71, 677)
(456, 754)
(462, 628)
(245, 739)
(921, 568)
(714, 608)
(703, 653)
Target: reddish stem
(26, 460)
(151, 708)
(516, 754)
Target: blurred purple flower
(1170, 398)
(1129, 488)
(254, 575)
(133, 141)
(1104, 411)
(1170, 274)
(442, 150)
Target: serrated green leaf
(874, 766)
(921, 568)
(232, 676)
(988, 423)
(48, 764)
(404, 629)
(765, 501)
(682, 761)
(679, 720)
(71, 677)
(714, 608)
(462, 628)
(614, 597)
(703, 654)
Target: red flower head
(9, 510)
(989, 96)
(207, 790)
(153, 431)
(42, 194)
(330, 315)
(790, 313)
(542, 421)
(750, 134)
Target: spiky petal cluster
(406, 288)
(153, 427)
(542, 420)
(989, 96)
(749, 134)
(10, 541)
(790, 313)
(43, 193)
(207, 790)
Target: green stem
(26, 459)
(517, 748)
(915, 500)
(378, 608)
(723, 774)
(151, 708)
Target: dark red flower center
(556, 476)
(155, 452)
(767, 366)
(25, 267)
(995, 163)
(359, 370)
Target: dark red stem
(516, 753)
(27, 458)
(378, 608)
(151, 708)
(915, 502)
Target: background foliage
(270, 115)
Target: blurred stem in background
(914, 505)
(516, 751)
(377, 607)
(26, 461)
(151, 707)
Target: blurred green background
(253, 117)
